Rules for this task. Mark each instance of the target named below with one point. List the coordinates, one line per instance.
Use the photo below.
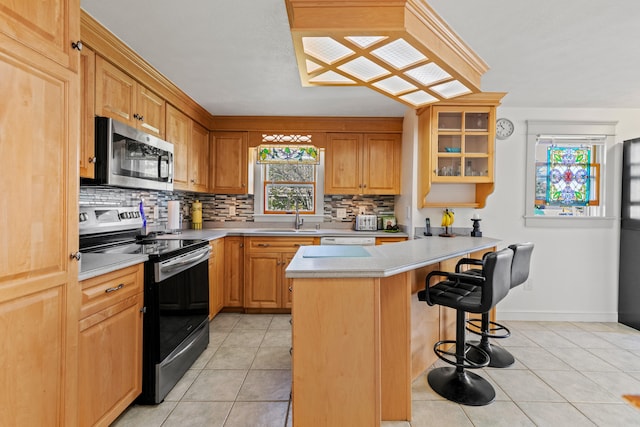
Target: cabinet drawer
(102, 291)
(279, 244)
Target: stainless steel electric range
(176, 293)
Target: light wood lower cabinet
(385, 240)
(234, 271)
(110, 345)
(216, 277)
(266, 260)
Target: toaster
(366, 223)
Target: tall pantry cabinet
(39, 136)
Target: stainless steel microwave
(128, 157)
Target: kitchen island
(352, 327)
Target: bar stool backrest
(521, 263)
(497, 274)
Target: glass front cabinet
(457, 147)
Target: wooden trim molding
(308, 124)
(107, 45)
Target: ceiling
(235, 57)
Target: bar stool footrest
(481, 358)
(475, 327)
(498, 357)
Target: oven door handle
(182, 262)
(169, 268)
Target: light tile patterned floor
(566, 374)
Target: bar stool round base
(463, 387)
(498, 356)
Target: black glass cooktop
(153, 248)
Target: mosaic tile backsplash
(216, 207)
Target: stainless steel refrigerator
(629, 271)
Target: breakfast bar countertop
(383, 260)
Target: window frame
(257, 184)
(579, 130)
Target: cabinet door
(199, 159)
(87, 113)
(462, 148)
(39, 294)
(262, 280)
(115, 93)
(110, 361)
(343, 174)
(48, 27)
(178, 129)
(229, 162)
(381, 163)
(233, 271)
(150, 110)
(216, 278)
(287, 284)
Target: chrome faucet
(299, 221)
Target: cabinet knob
(141, 118)
(136, 116)
(116, 288)
(263, 245)
(77, 45)
(76, 255)
(92, 159)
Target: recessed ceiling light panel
(331, 77)
(364, 69)
(365, 41)
(325, 49)
(399, 54)
(312, 66)
(395, 85)
(451, 89)
(419, 98)
(428, 74)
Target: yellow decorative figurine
(196, 215)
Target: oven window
(183, 303)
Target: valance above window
(293, 154)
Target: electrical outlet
(156, 213)
(341, 213)
(363, 210)
(232, 210)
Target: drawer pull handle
(117, 288)
(263, 245)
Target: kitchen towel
(173, 208)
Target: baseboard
(541, 316)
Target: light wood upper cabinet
(179, 134)
(48, 27)
(39, 293)
(199, 158)
(87, 113)
(363, 163)
(121, 97)
(190, 150)
(229, 162)
(456, 146)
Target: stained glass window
(287, 154)
(568, 176)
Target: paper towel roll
(173, 208)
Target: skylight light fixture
(399, 48)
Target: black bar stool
(467, 293)
(499, 357)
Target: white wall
(574, 272)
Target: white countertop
(95, 264)
(384, 260)
(92, 265)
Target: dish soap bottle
(196, 215)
